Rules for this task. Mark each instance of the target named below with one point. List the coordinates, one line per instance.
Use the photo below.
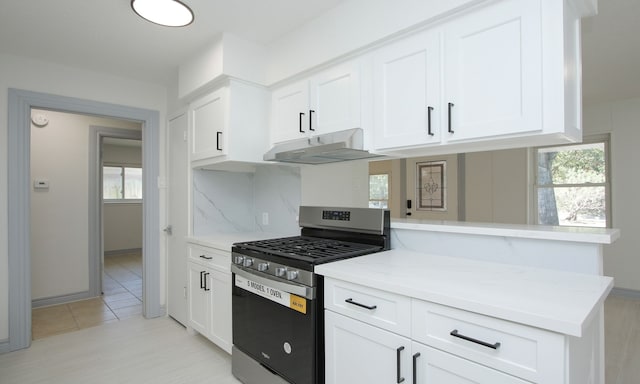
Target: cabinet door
(407, 106)
(335, 99)
(208, 121)
(434, 366)
(199, 298)
(290, 112)
(493, 71)
(220, 334)
(356, 352)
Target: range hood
(321, 149)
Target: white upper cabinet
(289, 109)
(326, 102)
(229, 125)
(407, 92)
(208, 125)
(481, 80)
(493, 71)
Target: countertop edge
(557, 233)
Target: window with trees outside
(572, 185)
(379, 191)
(121, 183)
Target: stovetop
(311, 249)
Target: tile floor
(122, 286)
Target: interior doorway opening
(20, 104)
(73, 223)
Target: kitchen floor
(137, 350)
(122, 299)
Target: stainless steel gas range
(278, 322)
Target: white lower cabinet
(356, 352)
(361, 353)
(373, 336)
(209, 296)
(198, 298)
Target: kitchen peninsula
(505, 317)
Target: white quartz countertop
(544, 232)
(562, 302)
(224, 241)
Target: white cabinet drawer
(210, 257)
(382, 309)
(527, 352)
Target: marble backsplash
(235, 202)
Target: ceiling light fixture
(170, 13)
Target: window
(379, 191)
(121, 183)
(572, 184)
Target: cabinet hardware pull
(311, 111)
(450, 106)
(300, 122)
(399, 379)
(455, 333)
(415, 370)
(201, 283)
(218, 140)
(205, 282)
(206, 257)
(429, 109)
(369, 307)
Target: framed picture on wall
(431, 186)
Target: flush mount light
(170, 13)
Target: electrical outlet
(265, 218)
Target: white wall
(122, 222)
(343, 184)
(122, 226)
(21, 73)
(621, 119)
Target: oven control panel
(336, 215)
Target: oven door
(276, 323)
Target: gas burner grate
(309, 247)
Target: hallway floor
(122, 286)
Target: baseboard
(626, 292)
(62, 299)
(4, 346)
(116, 252)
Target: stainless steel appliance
(321, 149)
(278, 322)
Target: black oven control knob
(247, 262)
(281, 271)
(292, 275)
(262, 267)
(238, 260)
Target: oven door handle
(296, 289)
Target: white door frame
(18, 152)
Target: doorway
(19, 180)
